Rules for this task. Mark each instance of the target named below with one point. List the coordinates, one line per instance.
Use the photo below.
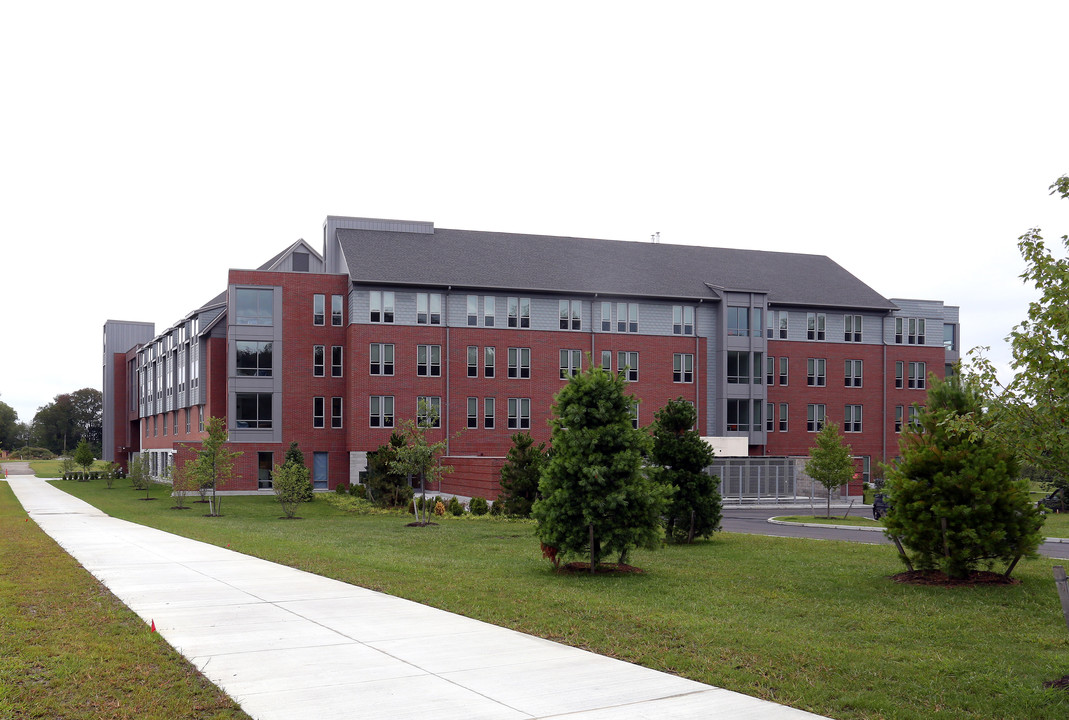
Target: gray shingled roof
(467, 259)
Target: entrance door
(320, 470)
(266, 461)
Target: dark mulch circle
(144, 499)
(181, 507)
(422, 524)
(601, 569)
(1061, 683)
(938, 577)
(287, 517)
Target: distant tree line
(58, 426)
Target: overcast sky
(148, 147)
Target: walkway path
(287, 644)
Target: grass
(825, 520)
(814, 624)
(69, 649)
(53, 469)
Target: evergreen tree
(831, 461)
(520, 475)
(386, 486)
(291, 482)
(682, 456)
(597, 498)
(956, 500)
(296, 457)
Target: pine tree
(597, 498)
(956, 500)
(520, 475)
(682, 456)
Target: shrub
(387, 487)
(478, 506)
(439, 508)
(295, 455)
(520, 475)
(290, 482)
(497, 509)
(455, 507)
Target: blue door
(319, 470)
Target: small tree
(110, 473)
(139, 477)
(291, 482)
(67, 465)
(385, 485)
(214, 464)
(182, 483)
(682, 456)
(596, 496)
(83, 456)
(956, 500)
(520, 475)
(831, 461)
(418, 457)
(295, 455)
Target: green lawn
(69, 649)
(813, 624)
(53, 468)
(825, 520)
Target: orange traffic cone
(153, 626)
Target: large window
(473, 412)
(738, 419)
(319, 309)
(815, 372)
(816, 326)
(815, 417)
(337, 302)
(683, 368)
(382, 411)
(852, 419)
(571, 314)
(429, 360)
(738, 367)
(336, 364)
(852, 328)
(473, 361)
(381, 355)
(738, 321)
(429, 308)
(627, 317)
(682, 320)
(488, 361)
(853, 373)
(520, 363)
(916, 331)
(917, 372)
(519, 413)
(571, 362)
(336, 412)
(253, 306)
(627, 365)
(253, 411)
(253, 358)
(429, 411)
(519, 312)
(381, 306)
(318, 412)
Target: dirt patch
(938, 577)
(601, 569)
(1061, 683)
(422, 524)
(181, 507)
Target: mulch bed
(601, 569)
(938, 577)
(421, 524)
(1061, 683)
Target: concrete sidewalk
(287, 644)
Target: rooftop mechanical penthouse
(333, 349)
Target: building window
(318, 411)
(815, 416)
(336, 354)
(488, 413)
(916, 331)
(606, 317)
(382, 411)
(756, 326)
(852, 419)
(489, 310)
(899, 330)
(488, 361)
(428, 308)
(606, 360)
(336, 305)
(682, 320)
(852, 328)
(783, 407)
(473, 310)
(519, 413)
(319, 309)
(770, 370)
(898, 418)
(336, 413)
(770, 420)
(917, 375)
(627, 317)
(381, 355)
(519, 312)
(899, 374)
(382, 306)
(300, 261)
(253, 359)
(253, 306)
(473, 412)
(914, 418)
(783, 371)
(816, 326)
(634, 415)
(758, 360)
(738, 416)
(571, 362)
(738, 367)
(853, 373)
(253, 411)
(318, 361)
(429, 360)
(520, 363)
(627, 365)
(682, 368)
(815, 372)
(571, 314)
(200, 418)
(188, 413)
(165, 424)
(738, 321)
(950, 341)
(429, 411)
(473, 361)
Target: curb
(774, 521)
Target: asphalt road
(755, 522)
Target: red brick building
(333, 349)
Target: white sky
(146, 148)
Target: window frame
(519, 413)
(519, 363)
(319, 361)
(382, 363)
(337, 412)
(816, 372)
(431, 363)
(319, 409)
(683, 368)
(319, 309)
(853, 373)
(624, 366)
(571, 363)
(816, 416)
(337, 360)
(381, 411)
